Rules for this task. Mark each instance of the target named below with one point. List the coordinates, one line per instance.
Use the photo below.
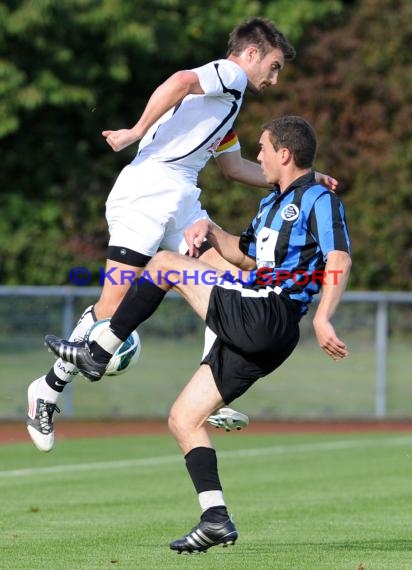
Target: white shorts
(150, 206)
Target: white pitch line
(253, 452)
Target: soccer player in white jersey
(187, 120)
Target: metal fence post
(381, 341)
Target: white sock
(108, 340)
(65, 370)
(210, 338)
(209, 499)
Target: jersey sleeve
(221, 77)
(327, 222)
(247, 242)
(229, 143)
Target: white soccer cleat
(40, 418)
(228, 419)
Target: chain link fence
(373, 382)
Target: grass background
(305, 502)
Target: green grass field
(340, 502)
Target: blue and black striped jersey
(291, 236)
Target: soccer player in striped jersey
(297, 243)
(188, 119)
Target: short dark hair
(262, 33)
(297, 135)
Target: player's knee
(174, 423)
(179, 423)
(164, 260)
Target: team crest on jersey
(290, 213)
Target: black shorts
(257, 329)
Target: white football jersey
(193, 131)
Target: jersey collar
(305, 180)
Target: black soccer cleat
(77, 353)
(205, 535)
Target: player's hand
(120, 139)
(328, 341)
(195, 236)
(326, 180)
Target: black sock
(215, 514)
(201, 462)
(99, 354)
(54, 381)
(140, 302)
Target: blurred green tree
(353, 80)
(71, 68)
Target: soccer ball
(125, 356)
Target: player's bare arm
(166, 96)
(326, 180)
(226, 244)
(337, 271)
(235, 167)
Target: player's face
(263, 71)
(269, 159)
